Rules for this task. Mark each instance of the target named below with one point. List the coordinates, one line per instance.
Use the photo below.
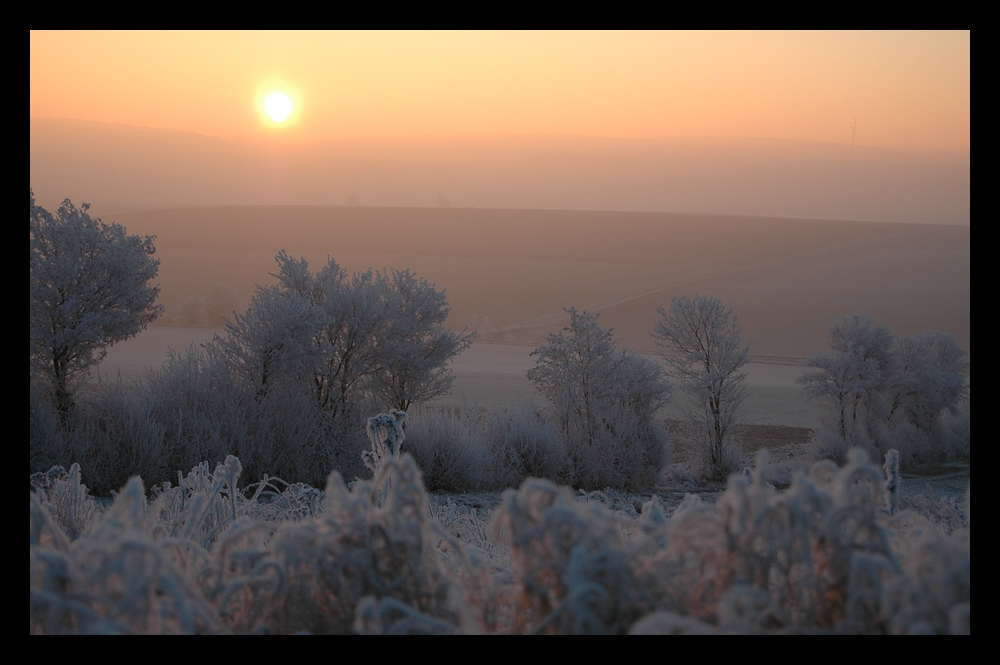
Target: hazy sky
(905, 88)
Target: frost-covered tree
(382, 334)
(877, 385)
(417, 369)
(604, 402)
(853, 376)
(702, 344)
(271, 342)
(90, 287)
(376, 337)
(927, 378)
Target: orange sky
(906, 89)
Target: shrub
(484, 450)
(448, 449)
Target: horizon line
(481, 136)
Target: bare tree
(701, 342)
(90, 287)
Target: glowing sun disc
(278, 106)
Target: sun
(278, 106)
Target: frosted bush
(114, 579)
(522, 445)
(358, 549)
(205, 556)
(484, 450)
(449, 450)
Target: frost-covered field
(838, 551)
(509, 273)
(490, 375)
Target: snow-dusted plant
(571, 565)
(191, 559)
(66, 498)
(116, 578)
(90, 287)
(386, 433)
(342, 567)
(205, 556)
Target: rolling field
(488, 375)
(508, 274)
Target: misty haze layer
(509, 273)
(120, 168)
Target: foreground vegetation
(837, 552)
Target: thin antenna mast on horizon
(854, 130)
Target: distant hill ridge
(120, 168)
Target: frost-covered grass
(385, 556)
